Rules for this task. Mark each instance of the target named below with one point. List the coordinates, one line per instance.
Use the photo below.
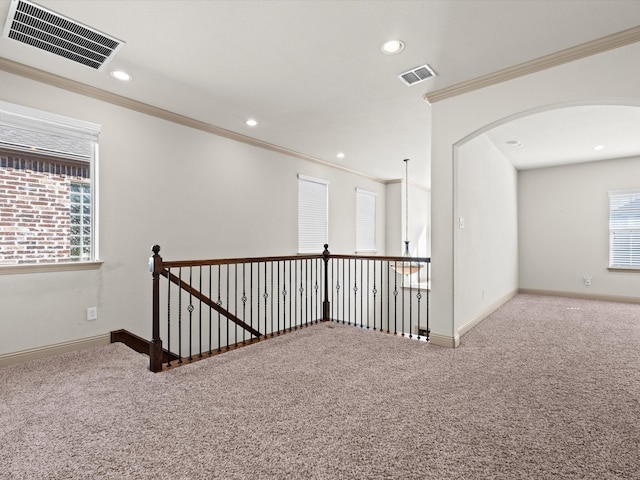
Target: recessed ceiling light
(392, 47)
(599, 147)
(122, 76)
(514, 143)
(340, 155)
(251, 122)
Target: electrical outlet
(587, 281)
(92, 313)
(461, 222)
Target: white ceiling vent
(41, 28)
(417, 75)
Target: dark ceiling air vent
(41, 28)
(417, 75)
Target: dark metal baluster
(169, 316)
(292, 294)
(284, 296)
(219, 304)
(350, 317)
(336, 265)
(272, 332)
(368, 318)
(271, 302)
(306, 292)
(293, 297)
(210, 311)
(200, 315)
(344, 289)
(410, 307)
(244, 304)
(333, 305)
(361, 291)
(428, 266)
(375, 292)
(388, 269)
(251, 298)
(235, 303)
(180, 315)
(382, 290)
(228, 305)
(419, 297)
(301, 290)
(265, 295)
(190, 309)
(317, 288)
(395, 299)
(403, 302)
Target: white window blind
(365, 221)
(313, 214)
(624, 229)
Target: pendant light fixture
(406, 267)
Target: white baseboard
(444, 340)
(49, 350)
(486, 312)
(585, 296)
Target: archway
(506, 237)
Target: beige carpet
(544, 388)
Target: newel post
(326, 306)
(155, 348)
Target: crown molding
(600, 45)
(58, 81)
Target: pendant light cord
(406, 207)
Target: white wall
(564, 228)
(609, 76)
(195, 194)
(486, 243)
(419, 213)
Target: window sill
(624, 269)
(49, 267)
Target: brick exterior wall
(35, 208)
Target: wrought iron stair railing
(205, 307)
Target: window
(80, 216)
(313, 214)
(624, 229)
(47, 187)
(365, 221)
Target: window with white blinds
(365, 221)
(313, 214)
(624, 229)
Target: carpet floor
(544, 388)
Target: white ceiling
(313, 75)
(570, 135)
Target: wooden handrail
(383, 258)
(234, 261)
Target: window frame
(37, 125)
(316, 191)
(616, 199)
